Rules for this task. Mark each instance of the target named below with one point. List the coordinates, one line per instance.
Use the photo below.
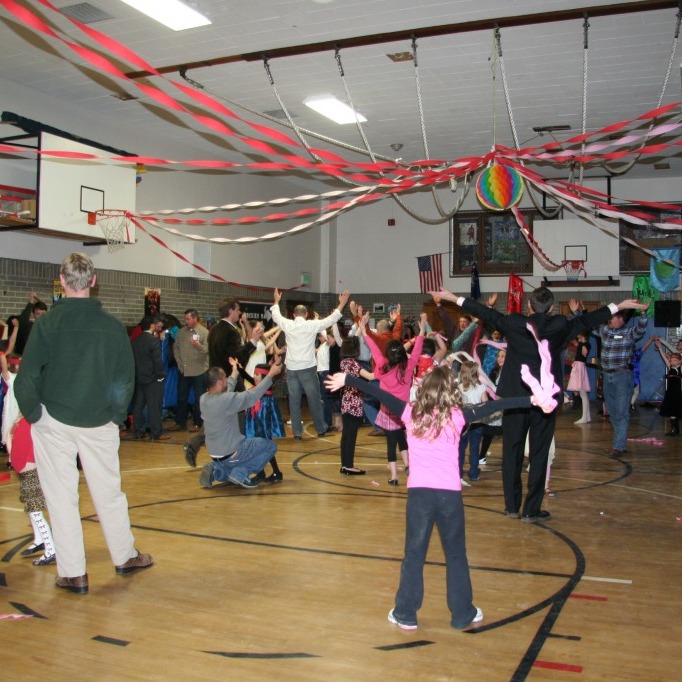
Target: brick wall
(122, 293)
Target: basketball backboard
(71, 189)
(576, 240)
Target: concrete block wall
(122, 293)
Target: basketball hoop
(574, 268)
(114, 224)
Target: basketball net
(574, 268)
(114, 224)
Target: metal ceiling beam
(614, 9)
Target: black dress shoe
(190, 455)
(32, 549)
(327, 432)
(352, 472)
(537, 518)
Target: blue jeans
(251, 456)
(618, 388)
(445, 509)
(328, 398)
(185, 385)
(472, 438)
(302, 381)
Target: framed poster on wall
(492, 240)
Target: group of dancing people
(425, 410)
(436, 394)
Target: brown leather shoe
(79, 584)
(139, 561)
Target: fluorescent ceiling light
(172, 13)
(333, 108)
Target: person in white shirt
(301, 362)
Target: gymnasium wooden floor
(294, 581)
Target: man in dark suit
(225, 339)
(522, 350)
(149, 377)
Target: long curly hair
(436, 397)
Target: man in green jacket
(76, 380)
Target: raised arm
(271, 339)
(336, 381)
(668, 346)
(337, 334)
(662, 353)
(396, 406)
(397, 320)
(446, 320)
(12, 339)
(344, 296)
(632, 304)
(378, 357)
(442, 350)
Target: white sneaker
(403, 626)
(478, 617)
(482, 462)
(465, 484)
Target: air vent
(662, 165)
(85, 13)
(123, 96)
(400, 57)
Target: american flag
(430, 272)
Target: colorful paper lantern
(499, 188)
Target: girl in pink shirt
(434, 423)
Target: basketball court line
(619, 581)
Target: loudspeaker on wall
(667, 313)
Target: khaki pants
(56, 446)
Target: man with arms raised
(517, 424)
(233, 456)
(300, 361)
